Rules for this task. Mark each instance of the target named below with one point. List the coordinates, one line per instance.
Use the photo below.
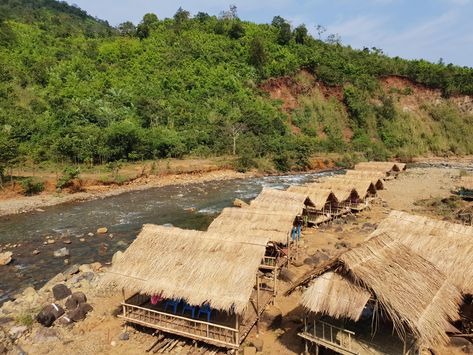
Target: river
(191, 206)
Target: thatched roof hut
(417, 297)
(342, 192)
(190, 265)
(376, 177)
(281, 201)
(245, 224)
(385, 167)
(448, 246)
(364, 187)
(319, 196)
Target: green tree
(127, 29)
(236, 30)
(258, 56)
(300, 34)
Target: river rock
(96, 266)
(239, 203)
(61, 291)
(85, 268)
(30, 295)
(17, 332)
(90, 234)
(50, 241)
(35, 252)
(124, 336)
(82, 240)
(49, 314)
(75, 300)
(5, 258)
(117, 256)
(80, 312)
(67, 241)
(61, 253)
(102, 230)
(72, 270)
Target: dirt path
(418, 184)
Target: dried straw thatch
(448, 246)
(195, 266)
(334, 295)
(417, 297)
(364, 187)
(376, 177)
(466, 183)
(385, 167)
(319, 196)
(245, 224)
(281, 201)
(342, 192)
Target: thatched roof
(416, 296)
(466, 182)
(245, 224)
(449, 246)
(341, 191)
(196, 266)
(376, 177)
(334, 295)
(318, 196)
(385, 167)
(281, 201)
(364, 187)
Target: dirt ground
(98, 334)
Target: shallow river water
(190, 206)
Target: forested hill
(74, 89)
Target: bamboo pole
(257, 302)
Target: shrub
(31, 187)
(282, 162)
(68, 175)
(245, 162)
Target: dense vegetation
(73, 89)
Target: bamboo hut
(364, 189)
(281, 201)
(465, 187)
(388, 168)
(376, 177)
(326, 205)
(381, 283)
(174, 276)
(246, 224)
(448, 246)
(346, 196)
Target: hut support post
(237, 327)
(257, 302)
(124, 308)
(288, 252)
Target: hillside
(74, 90)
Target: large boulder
(80, 312)
(61, 291)
(5, 258)
(49, 314)
(75, 299)
(17, 332)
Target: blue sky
(429, 29)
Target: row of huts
(396, 293)
(213, 285)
